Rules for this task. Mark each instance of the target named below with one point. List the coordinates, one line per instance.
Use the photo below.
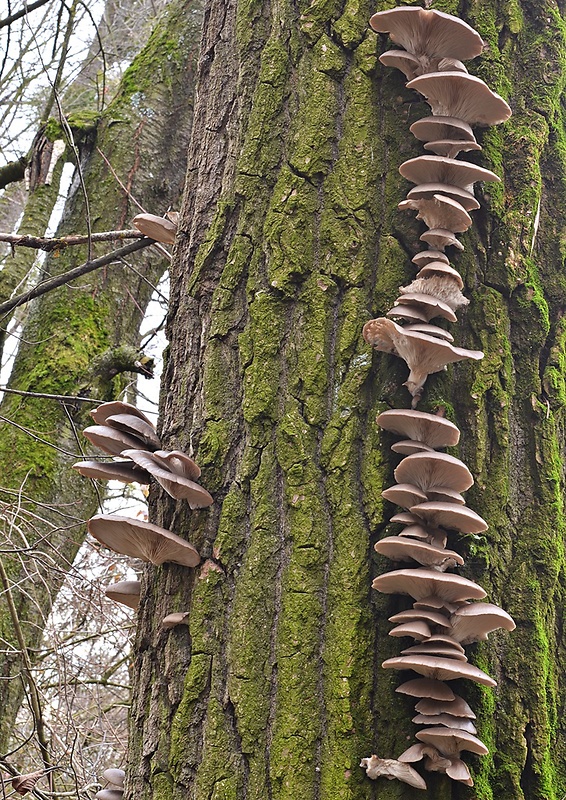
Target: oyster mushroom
(391, 769)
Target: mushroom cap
(416, 629)
(445, 639)
(435, 602)
(472, 622)
(429, 330)
(408, 313)
(402, 493)
(408, 446)
(427, 470)
(440, 268)
(427, 304)
(409, 64)
(399, 548)
(442, 287)
(424, 648)
(451, 741)
(124, 471)
(424, 582)
(423, 354)
(451, 147)
(462, 196)
(105, 410)
(458, 94)
(445, 495)
(450, 515)
(405, 518)
(431, 429)
(177, 618)
(440, 238)
(417, 752)
(439, 668)
(112, 440)
(436, 127)
(170, 471)
(426, 256)
(109, 794)
(456, 707)
(115, 776)
(392, 769)
(139, 539)
(439, 211)
(439, 169)
(125, 592)
(158, 228)
(433, 617)
(458, 771)
(447, 720)
(428, 32)
(429, 688)
(415, 532)
(135, 426)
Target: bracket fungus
(125, 592)
(157, 228)
(176, 472)
(138, 539)
(390, 768)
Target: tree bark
(291, 241)
(73, 334)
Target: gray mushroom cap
(439, 668)
(440, 268)
(135, 426)
(427, 32)
(409, 313)
(115, 776)
(402, 60)
(408, 446)
(474, 621)
(457, 707)
(157, 228)
(427, 470)
(416, 629)
(109, 794)
(439, 211)
(458, 94)
(463, 196)
(138, 539)
(425, 648)
(168, 472)
(432, 617)
(451, 147)
(447, 720)
(404, 494)
(451, 741)
(439, 169)
(428, 305)
(426, 256)
(124, 471)
(436, 127)
(432, 429)
(174, 619)
(111, 440)
(419, 583)
(105, 410)
(430, 330)
(427, 688)
(450, 515)
(392, 769)
(399, 548)
(125, 592)
(441, 238)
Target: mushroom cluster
(447, 612)
(115, 789)
(125, 433)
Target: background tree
(290, 241)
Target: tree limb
(12, 172)
(22, 12)
(59, 280)
(48, 244)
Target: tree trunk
(74, 341)
(291, 241)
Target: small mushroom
(456, 707)
(447, 720)
(451, 147)
(135, 426)
(428, 305)
(442, 287)
(399, 548)
(439, 211)
(440, 238)
(125, 592)
(408, 313)
(430, 330)
(429, 688)
(416, 629)
(109, 794)
(409, 446)
(391, 769)
(175, 471)
(115, 776)
(433, 617)
(157, 228)
(124, 471)
(138, 539)
(402, 60)
(439, 268)
(474, 621)
(426, 256)
(434, 650)
(404, 495)
(177, 618)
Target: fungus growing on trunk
(457, 94)
(125, 592)
(176, 472)
(391, 769)
(157, 228)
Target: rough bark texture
(76, 337)
(291, 241)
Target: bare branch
(22, 12)
(49, 244)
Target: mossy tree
(290, 241)
(83, 339)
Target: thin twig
(59, 280)
(64, 397)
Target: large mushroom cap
(125, 592)
(450, 515)
(158, 228)
(135, 426)
(111, 440)
(451, 741)
(403, 494)
(139, 539)
(421, 582)
(439, 211)
(423, 354)
(472, 622)
(433, 430)
(426, 470)
(438, 668)
(439, 268)
(400, 548)
(458, 94)
(115, 776)
(427, 32)
(466, 199)
(439, 169)
(171, 472)
(105, 410)
(430, 129)
(123, 471)
(427, 687)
